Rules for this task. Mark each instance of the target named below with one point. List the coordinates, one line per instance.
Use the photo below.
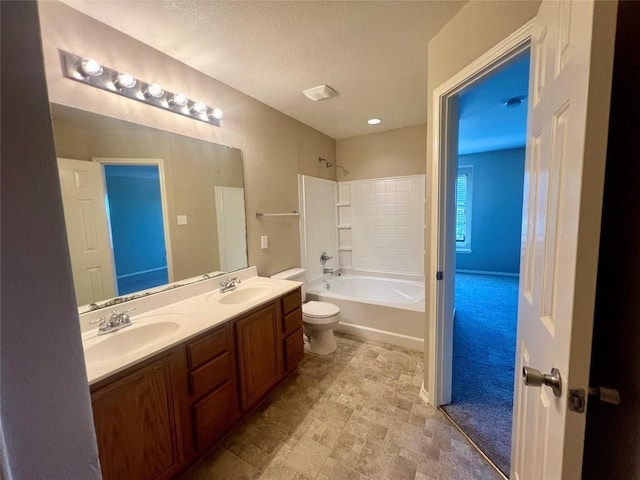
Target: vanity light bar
(89, 71)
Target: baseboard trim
(424, 395)
(413, 343)
(484, 272)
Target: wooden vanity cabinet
(213, 404)
(293, 342)
(154, 419)
(259, 353)
(137, 421)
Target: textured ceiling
(486, 124)
(374, 53)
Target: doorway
(134, 212)
(137, 214)
(492, 123)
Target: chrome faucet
(229, 284)
(115, 322)
(328, 270)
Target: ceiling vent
(515, 101)
(321, 92)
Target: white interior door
(85, 217)
(232, 235)
(570, 86)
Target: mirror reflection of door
(232, 231)
(83, 200)
(134, 211)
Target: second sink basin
(243, 294)
(131, 339)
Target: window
(463, 208)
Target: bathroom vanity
(154, 417)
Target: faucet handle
(324, 258)
(100, 320)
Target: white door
(570, 86)
(87, 230)
(232, 235)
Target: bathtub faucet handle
(324, 258)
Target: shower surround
(372, 228)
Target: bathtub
(379, 308)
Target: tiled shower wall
(387, 224)
(317, 223)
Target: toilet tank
(295, 274)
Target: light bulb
(374, 121)
(216, 113)
(199, 108)
(179, 99)
(91, 67)
(125, 80)
(154, 90)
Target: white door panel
(572, 52)
(232, 235)
(85, 216)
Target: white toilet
(318, 318)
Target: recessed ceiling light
(374, 121)
(321, 92)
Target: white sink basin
(243, 294)
(155, 329)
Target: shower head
(329, 164)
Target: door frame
(441, 337)
(163, 197)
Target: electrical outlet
(264, 242)
(182, 219)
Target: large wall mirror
(145, 208)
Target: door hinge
(439, 275)
(576, 400)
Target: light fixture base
(139, 91)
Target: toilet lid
(320, 309)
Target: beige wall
(477, 27)
(275, 147)
(385, 154)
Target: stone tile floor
(353, 415)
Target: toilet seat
(314, 310)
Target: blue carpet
(484, 341)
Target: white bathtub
(384, 309)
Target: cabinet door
(215, 414)
(257, 338)
(137, 426)
(293, 350)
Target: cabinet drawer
(291, 302)
(214, 415)
(292, 321)
(207, 348)
(293, 350)
(210, 375)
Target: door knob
(535, 378)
